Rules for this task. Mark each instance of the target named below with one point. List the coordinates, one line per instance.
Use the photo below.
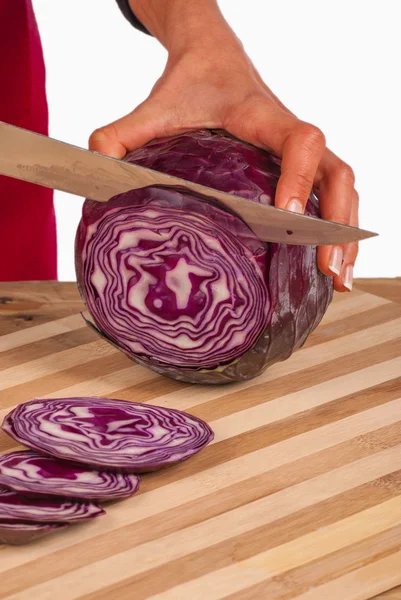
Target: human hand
(216, 86)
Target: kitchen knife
(45, 161)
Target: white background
(333, 64)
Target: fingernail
(295, 205)
(336, 260)
(348, 277)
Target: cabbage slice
(32, 473)
(108, 434)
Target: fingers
(339, 261)
(343, 282)
(127, 133)
(300, 145)
(307, 164)
(302, 152)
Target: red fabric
(27, 220)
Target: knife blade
(51, 163)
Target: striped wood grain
(299, 496)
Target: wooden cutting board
(298, 497)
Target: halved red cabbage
(23, 532)
(16, 507)
(110, 434)
(30, 472)
(182, 285)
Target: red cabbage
(183, 286)
(108, 434)
(23, 532)
(16, 507)
(29, 472)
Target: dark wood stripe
(343, 297)
(354, 323)
(150, 390)
(47, 347)
(65, 378)
(389, 288)
(6, 443)
(25, 304)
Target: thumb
(130, 132)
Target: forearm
(183, 24)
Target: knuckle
(313, 136)
(345, 173)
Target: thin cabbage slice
(30, 472)
(16, 507)
(107, 433)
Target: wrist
(184, 26)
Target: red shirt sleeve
(27, 219)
